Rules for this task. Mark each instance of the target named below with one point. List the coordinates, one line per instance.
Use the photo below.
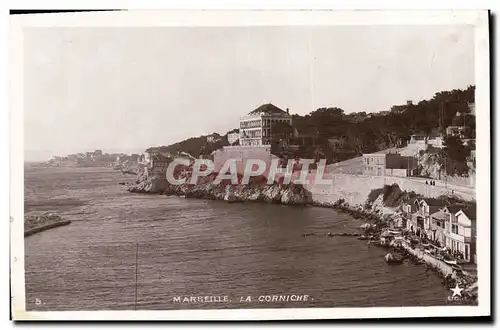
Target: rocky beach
(37, 223)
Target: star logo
(456, 291)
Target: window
(454, 229)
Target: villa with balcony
(256, 128)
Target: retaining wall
(355, 189)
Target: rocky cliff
(290, 194)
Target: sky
(125, 89)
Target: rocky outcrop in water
(290, 194)
(152, 185)
(36, 224)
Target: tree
(281, 132)
(456, 155)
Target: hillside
(341, 137)
(195, 147)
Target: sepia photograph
(260, 165)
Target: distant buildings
(456, 131)
(460, 125)
(157, 165)
(387, 164)
(256, 128)
(381, 113)
(422, 141)
(214, 138)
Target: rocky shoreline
(39, 223)
(450, 277)
(292, 194)
(289, 194)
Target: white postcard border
(252, 18)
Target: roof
(433, 201)
(439, 215)
(470, 211)
(267, 108)
(454, 208)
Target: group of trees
(365, 133)
(455, 154)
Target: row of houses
(451, 226)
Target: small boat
(393, 259)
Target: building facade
(256, 128)
(450, 226)
(420, 220)
(240, 155)
(381, 164)
(157, 165)
(460, 234)
(374, 164)
(234, 137)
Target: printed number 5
(38, 301)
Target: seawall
(355, 189)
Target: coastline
(375, 213)
(286, 194)
(444, 270)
